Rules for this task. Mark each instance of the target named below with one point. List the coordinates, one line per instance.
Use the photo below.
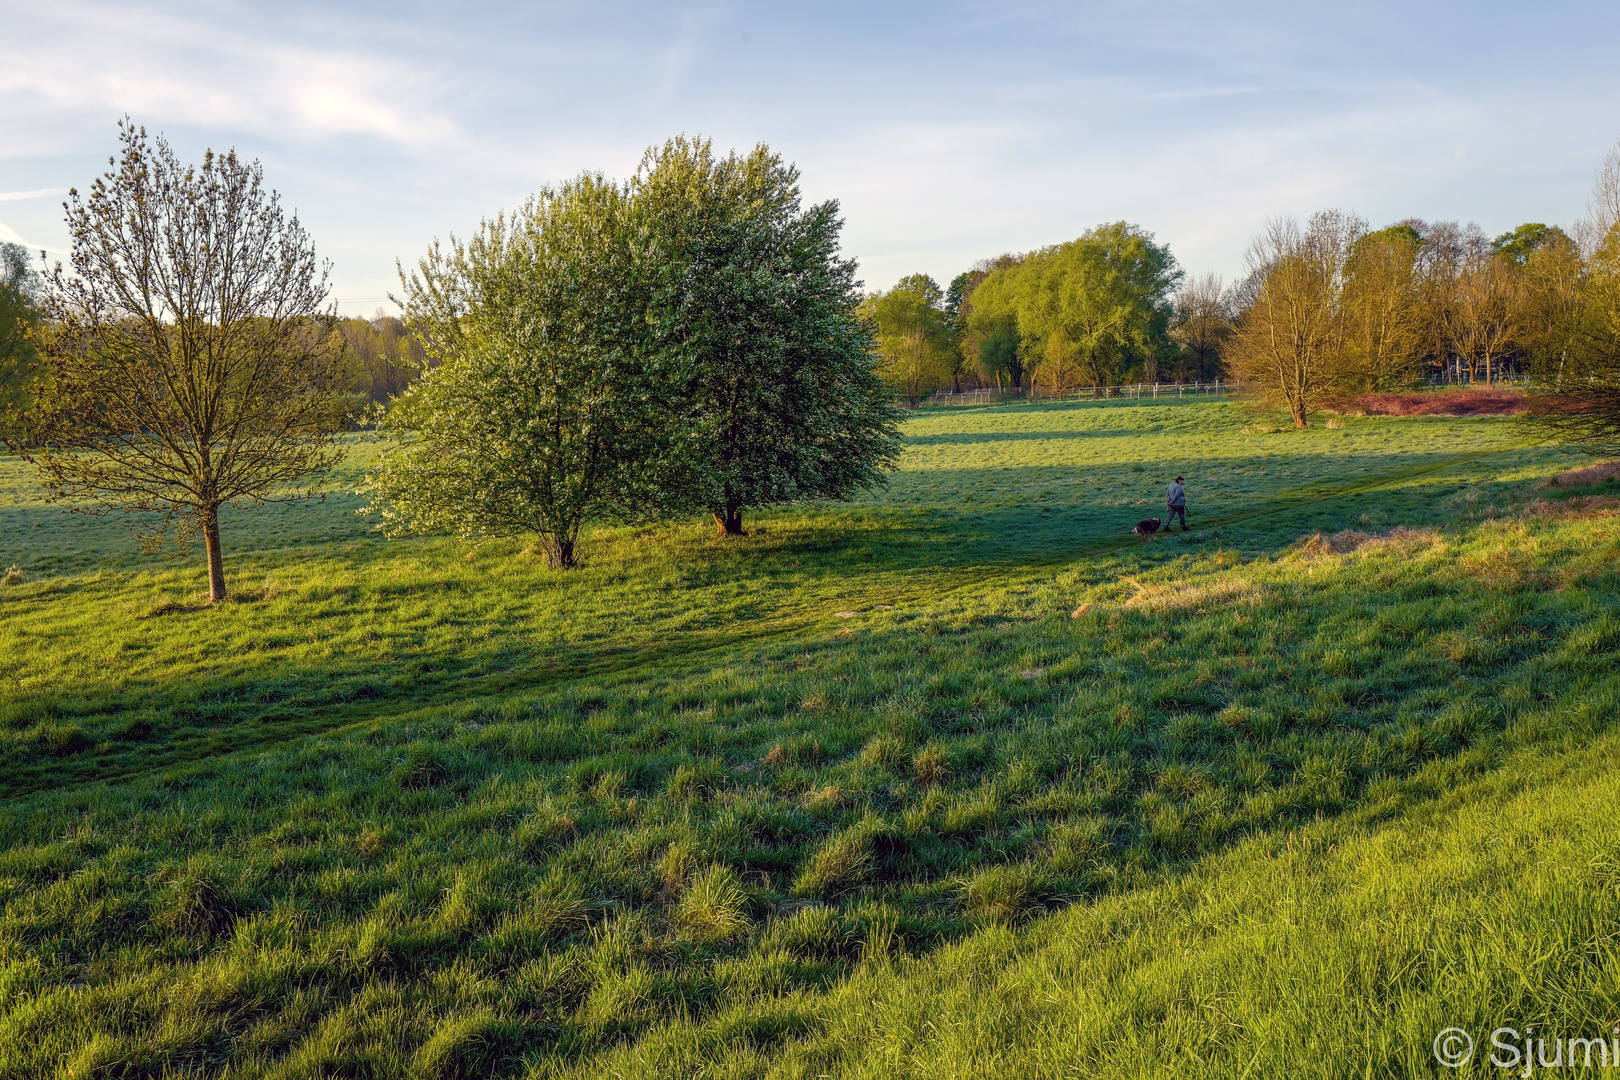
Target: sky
(948, 132)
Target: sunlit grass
(417, 807)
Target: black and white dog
(1147, 528)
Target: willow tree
(182, 365)
(780, 400)
(913, 335)
(545, 407)
(1087, 309)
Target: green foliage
(1086, 311)
(1518, 245)
(543, 411)
(19, 312)
(414, 812)
(779, 400)
(997, 345)
(913, 335)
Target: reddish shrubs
(1440, 403)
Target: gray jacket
(1175, 495)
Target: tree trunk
(560, 552)
(728, 521)
(216, 557)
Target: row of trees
(1328, 309)
(685, 341)
(1373, 310)
(1334, 308)
(1089, 312)
(377, 359)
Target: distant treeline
(1333, 307)
(379, 357)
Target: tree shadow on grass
(799, 570)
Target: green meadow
(957, 779)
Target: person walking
(1175, 498)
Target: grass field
(960, 778)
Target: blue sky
(949, 132)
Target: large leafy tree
(19, 313)
(780, 399)
(544, 408)
(913, 334)
(992, 346)
(1085, 310)
(183, 365)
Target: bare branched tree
(1603, 208)
(1202, 323)
(1289, 345)
(183, 357)
(1487, 324)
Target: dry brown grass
(1586, 477)
(1567, 509)
(1400, 538)
(1195, 598)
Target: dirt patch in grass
(1443, 403)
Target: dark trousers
(1175, 512)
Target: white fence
(989, 396)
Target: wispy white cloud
(37, 193)
(246, 74)
(971, 130)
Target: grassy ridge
(411, 812)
